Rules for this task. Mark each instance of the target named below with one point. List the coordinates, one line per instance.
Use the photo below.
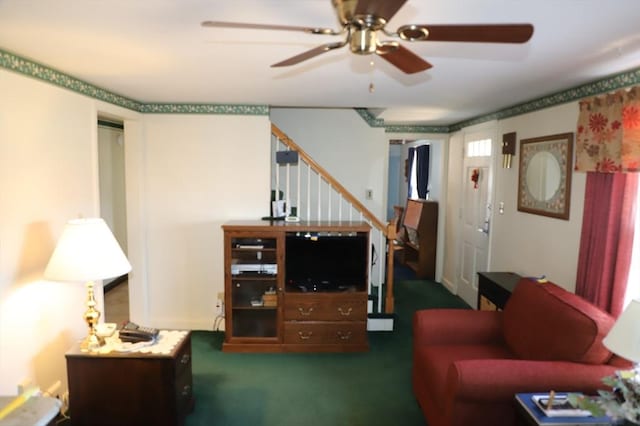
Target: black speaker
(287, 157)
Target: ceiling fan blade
(491, 33)
(243, 25)
(380, 8)
(403, 58)
(308, 54)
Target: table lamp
(624, 337)
(86, 252)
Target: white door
(475, 218)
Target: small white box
(380, 324)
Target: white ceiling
(156, 51)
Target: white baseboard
(450, 286)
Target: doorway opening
(112, 184)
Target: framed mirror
(544, 180)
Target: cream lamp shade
(624, 337)
(86, 251)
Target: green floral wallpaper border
(38, 71)
(609, 84)
(204, 109)
(33, 69)
(29, 68)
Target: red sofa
(468, 365)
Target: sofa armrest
(499, 379)
(456, 326)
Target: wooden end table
(130, 389)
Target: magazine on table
(559, 407)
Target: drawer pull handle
(305, 336)
(345, 312)
(305, 313)
(344, 336)
(186, 390)
(185, 359)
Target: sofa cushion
(542, 321)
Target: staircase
(317, 196)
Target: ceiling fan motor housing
(363, 41)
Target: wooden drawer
(325, 307)
(487, 305)
(337, 333)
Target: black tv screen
(326, 262)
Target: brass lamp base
(92, 342)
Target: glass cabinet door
(254, 285)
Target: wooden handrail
(326, 176)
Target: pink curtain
(607, 239)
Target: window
(633, 284)
(418, 178)
(479, 148)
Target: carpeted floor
(372, 388)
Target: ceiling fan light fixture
(413, 33)
(363, 42)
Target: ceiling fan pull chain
(372, 87)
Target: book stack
(556, 411)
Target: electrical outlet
(220, 304)
(23, 385)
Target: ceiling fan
(361, 20)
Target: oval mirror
(543, 176)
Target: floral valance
(608, 134)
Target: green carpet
(372, 388)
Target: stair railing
(318, 196)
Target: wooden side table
(495, 288)
(130, 389)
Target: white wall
(529, 244)
(48, 174)
(192, 174)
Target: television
(326, 262)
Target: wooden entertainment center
(268, 311)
